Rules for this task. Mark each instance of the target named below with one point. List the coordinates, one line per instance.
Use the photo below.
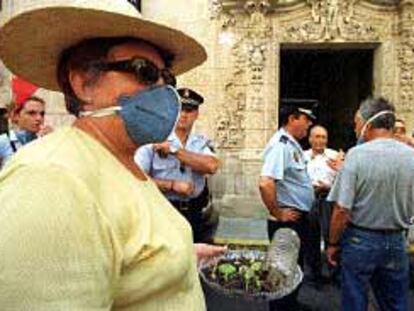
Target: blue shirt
(170, 168)
(6, 150)
(16, 138)
(284, 161)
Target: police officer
(285, 186)
(179, 166)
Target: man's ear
(80, 86)
(291, 118)
(14, 116)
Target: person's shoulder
(283, 139)
(354, 151)
(144, 148)
(4, 138)
(403, 147)
(202, 140)
(62, 148)
(199, 137)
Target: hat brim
(30, 45)
(307, 113)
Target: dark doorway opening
(337, 80)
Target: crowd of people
(362, 205)
(114, 211)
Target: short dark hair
(286, 111)
(16, 108)
(83, 55)
(371, 106)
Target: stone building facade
(253, 48)
(248, 44)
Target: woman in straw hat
(82, 228)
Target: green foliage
(227, 271)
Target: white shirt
(318, 168)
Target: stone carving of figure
(332, 18)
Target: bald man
(400, 133)
(322, 176)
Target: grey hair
(371, 106)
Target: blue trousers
(375, 259)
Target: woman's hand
(207, 252)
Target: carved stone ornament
(230, 119)
(331, 19)
(259, 33)
(249, 55)
(406, 58)
(216, 8)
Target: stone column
(406, 57)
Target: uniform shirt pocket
(165, 164)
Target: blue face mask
(25, 137)
(149, 116)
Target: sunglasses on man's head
(146, 71)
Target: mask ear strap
(375, 116)
(104, 112)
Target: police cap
(190, 98)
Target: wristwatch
(174, 149)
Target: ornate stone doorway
(336, 79)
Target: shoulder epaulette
(284, 139)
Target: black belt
(375, 230)
(303, 213)
(187, 205)
(322, 195)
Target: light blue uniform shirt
(6, 150)
(284, 161)
(169, 167)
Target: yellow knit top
(79, 232)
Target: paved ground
(325, 297)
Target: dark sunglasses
(145, 71)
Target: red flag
(22, 90)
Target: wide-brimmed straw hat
(33, 38)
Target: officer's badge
(187, 93)
(296, 157)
